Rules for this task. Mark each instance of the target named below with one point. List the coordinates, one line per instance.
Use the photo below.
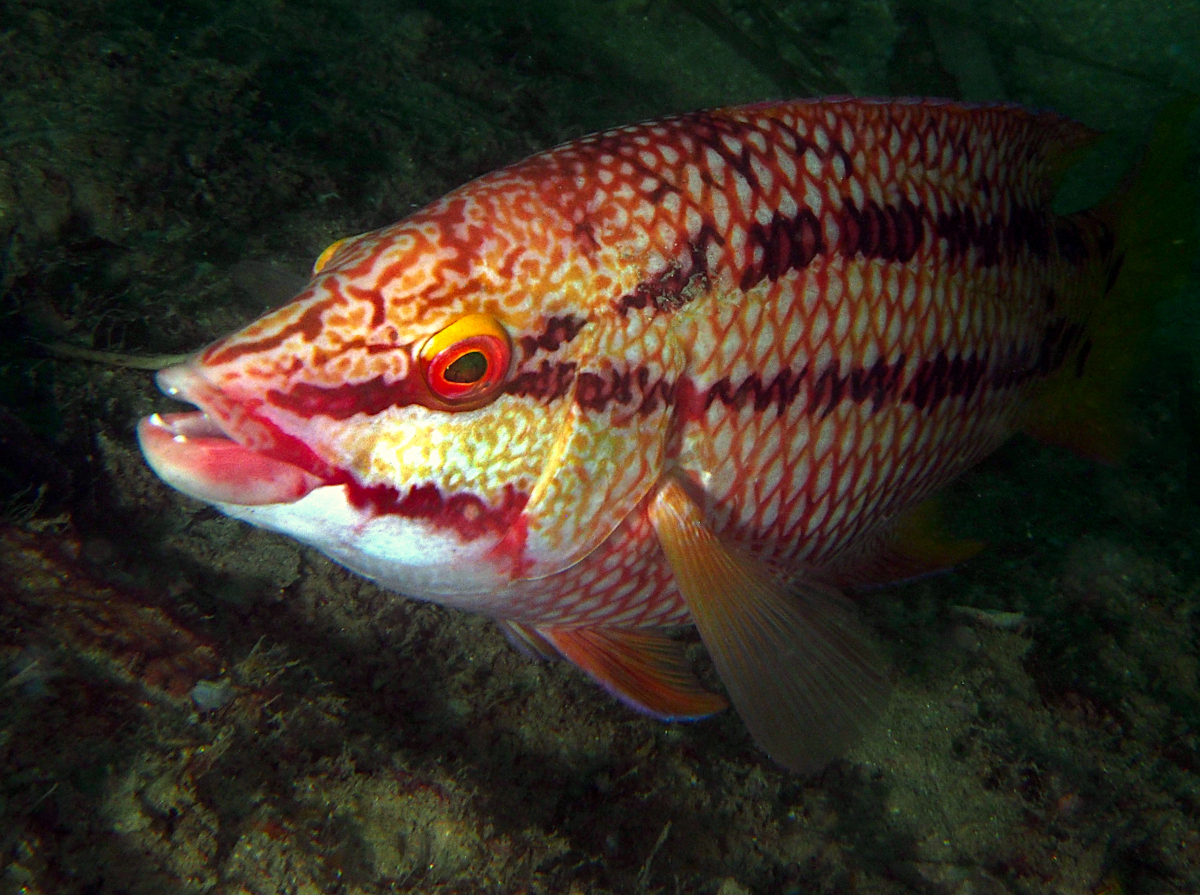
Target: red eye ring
(467, 361)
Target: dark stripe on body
(892, 233)
(883, 233)
(558, 331)
(628, 388)
(548, 382)
(787, 244)
(935, 379)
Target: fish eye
(468, 368)
(466, 362)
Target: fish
(709, 370)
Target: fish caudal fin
(1155, 230)
(796, 662)
(648, 671)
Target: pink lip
(205, 456)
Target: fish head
(414, 412)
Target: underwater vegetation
(189, 705)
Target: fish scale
(699, 370)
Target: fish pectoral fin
(796, 661)
(648, 671)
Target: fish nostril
(174, 380)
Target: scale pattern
(815, 312)
(867, 295)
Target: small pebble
(730, 886)
(212, 695)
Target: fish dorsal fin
(649, 671)
(796, 661)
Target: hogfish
(705, 370)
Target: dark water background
(166, 170)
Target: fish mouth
(223, 453)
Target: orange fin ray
(648, 671)
(798, 666)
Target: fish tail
(1152, 219)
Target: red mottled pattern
(817, 312)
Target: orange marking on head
(309, 327)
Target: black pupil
(471, 367)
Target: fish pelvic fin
(1154, 224)
(915, 544)
(796, 662)
(526, 640)
(647, 670)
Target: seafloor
(168, 168)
